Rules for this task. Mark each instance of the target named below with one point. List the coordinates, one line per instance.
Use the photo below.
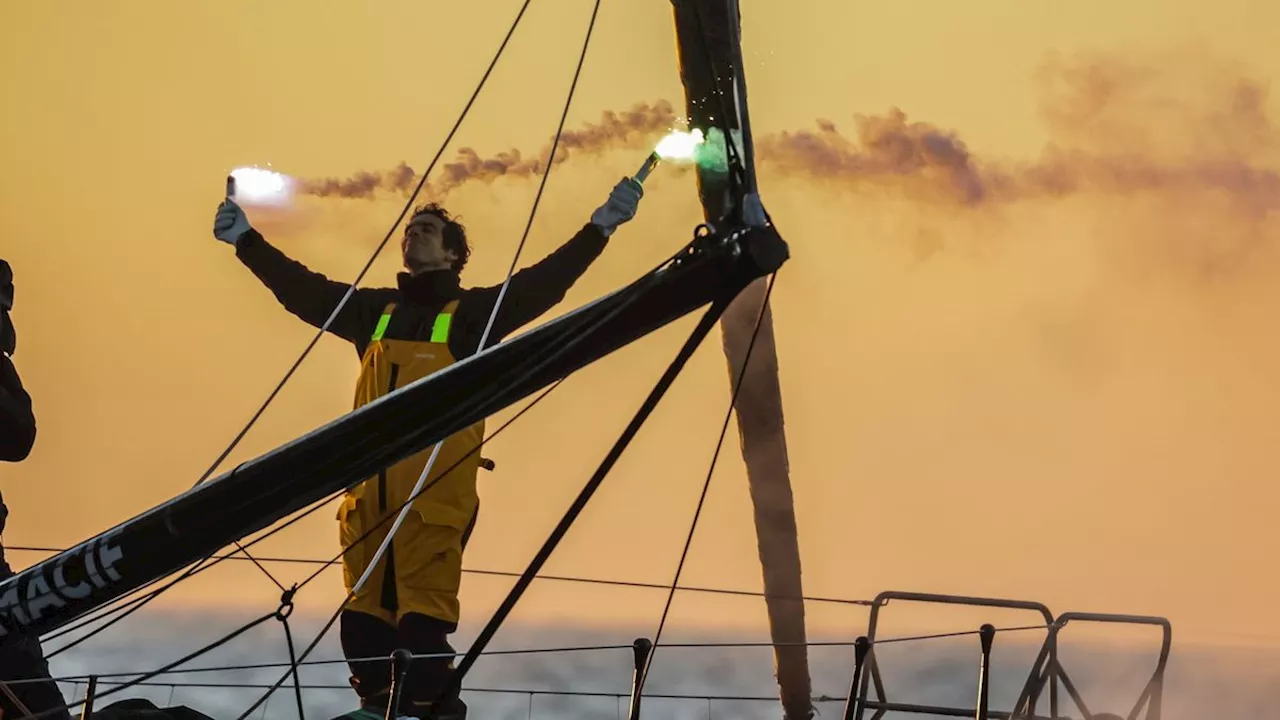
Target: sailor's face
(423, 245)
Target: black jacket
(17, 421)
(312, 297)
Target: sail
(48, 595)
(711, 70)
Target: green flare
(712, 154)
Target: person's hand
(620, 207)
(229, 223)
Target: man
(402, 334)
(24, 658)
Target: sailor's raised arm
(307, 294)
(539, 287)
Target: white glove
(620, 207)
(229, 223)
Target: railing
(1046, 670)
(867, 691)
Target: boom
(196, 524)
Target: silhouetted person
(17, 423)
(23, 659)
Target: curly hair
(455, 235)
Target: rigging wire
(137, 600)
(295, 659)
(387, 238)
(699, 332)
(554, 578)
(291, 521)
(350, 291)
(706, 485)
(570, 343)
(532, 214)
(142, 601)
(497, 305)
(573, 339)
(352, 287)
(564, 348)
(655, 395)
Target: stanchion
(400, 660)
(861, 647)
(90, 690)
(642, 648)
(986, 635)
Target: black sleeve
(17, 421)
(532, 291)
(307, 294)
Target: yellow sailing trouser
(421, 572)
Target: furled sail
(708, 38)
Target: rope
(273, 531)
(419, 485)
(282, 614)
(573, 339)
(655, 395)
(141, 601)
(347, 296)
(493, 315)
(387, 238)
(167, 668)
(706, 485)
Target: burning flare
(677, 146)
(260, 186)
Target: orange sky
(1047, 399)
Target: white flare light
(679, 145)
(261, 186)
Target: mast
(249, 498)
(711, 69)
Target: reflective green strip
(440, 330)
(382, 326)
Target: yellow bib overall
(421, 572)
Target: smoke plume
(1117, 127)
(636, 127)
